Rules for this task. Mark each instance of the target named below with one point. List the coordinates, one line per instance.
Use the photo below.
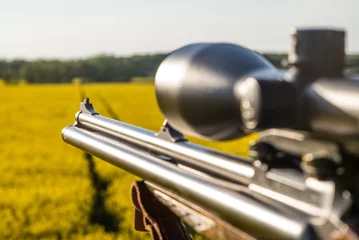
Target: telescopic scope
(214, 91)
(221, 91)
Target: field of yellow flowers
(50, 190)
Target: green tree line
(103, 68)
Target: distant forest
(103, 68)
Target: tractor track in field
(99, 214)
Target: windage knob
(318, 50)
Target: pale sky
(81, 28)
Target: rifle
(301, 179)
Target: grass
(47, 188)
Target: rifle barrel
(237, 209)
(213, 162)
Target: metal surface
(87, 107)
(301, 172)
(237, 209)
(227, 166)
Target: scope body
(222, 91)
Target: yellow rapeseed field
(50, 190)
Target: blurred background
(54, 53)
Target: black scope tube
(241, 211)
(331, 107)
(192, 155)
